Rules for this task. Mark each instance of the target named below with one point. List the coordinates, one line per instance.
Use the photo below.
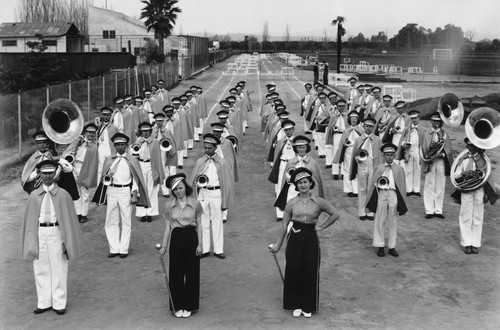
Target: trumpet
(201, 181)
(165, 145)
(288, 174)
(382, 182)
(361, 155)
(107, 180)
(135, 149)
(71, 157)
(97, 121)
(407, 145)
(335, 128)
(396, 129)
(347, 143)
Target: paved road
(431, 285)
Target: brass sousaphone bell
(451, 110)
(482, 127)
(62, 121)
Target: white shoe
(297, 312)
(307, 315)
(179, 313)
(186, 314)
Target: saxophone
(71, 157)
(407, 144)
(435, 148)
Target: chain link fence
(21, 113)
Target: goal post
(442, 54)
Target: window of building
(9, 43)
(109, 34)
(49, 42)
(95, 50)
(139, 50)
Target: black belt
(120, 185)
(49, 224)
(212, 188)
(145, 161)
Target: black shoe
(149, 218)
(417, 194)
(180, 167)
(316, 148)
(328, 166)
(220, 255)
(354, 195)
(363, 218)
(350, 194)
(224, 221)
(428, 216)
(409, 194)
(474, 250)
(369, 217)
(468, 249)
(204, 255)
(308, 132)
(380, 252)
(79, 218)
(335, 177)
(60, 311)
(166, 196)
(185, 157)
(123, 255)
(83, 219)
(41, 310)
(322, 156)
(112, 255)
(279, 219)
(393, 252)
(189, 149)
(144, 218)
(440, 216)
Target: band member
(148, 105)
(321, 121)
(180, 113)
(121, 185)
(167, 127)
(161, 96)
(183, 230)
(277, 132)
(336, 127)
(374, 103)
(316, 72)
(301, 289)
(122, 119)
(398, 122)
(51, 236)
(362, 167)
(30, 177)
(284, 152)
(223, 116)
(387, 199)
(85, 157)
(266, 110)
(202, 104)
(106, 130)
(344, 152)
(188, 124)
(383, 116)
(437, 157)
(408, 154)
(305, 100)
(216, 196)
(351, 92)
(139, 113)
(472, 202)
(358, 101)
(151, 164)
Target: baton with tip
(158, 247)
(277, 263)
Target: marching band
(132, 153)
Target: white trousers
(364, 177)
(103, 151)
(119, 208)
(277, 187)
(51, 269)
(211, 201)
(386, 218)
(471, 218)
(412, 170)
(350, 186)
(82, 204)
(180, 157)
(169, 170)
(434, 186)
(336, 167)
(190, 144)
(320, 143)
(152, 190)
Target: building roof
(121, 16)
(20, 30)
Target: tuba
(201, 181)
(382, 182)
(361, 155)
(435, 148)
(62, 121)
(482, 127)
(165, 144)
(473, 179)
(451, 110)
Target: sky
(313, 18)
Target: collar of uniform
(118, 155)
(297, 199)
(432, 131)
(207, 158)
(305, 159)
(189, 201)
(52, 189)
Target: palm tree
(160, 16)
(340, 32)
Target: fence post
(69, 89)
(128, 80)
(116, 83)
(137, 91)
(88, 98)
(48, 94)
(19, 126)
(103, 90)
(149, 74)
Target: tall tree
(286, 37)
(265, 32)
(160, 16)
(339, 21)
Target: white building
(59, 37)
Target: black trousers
(184, 269)
(301, 288)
